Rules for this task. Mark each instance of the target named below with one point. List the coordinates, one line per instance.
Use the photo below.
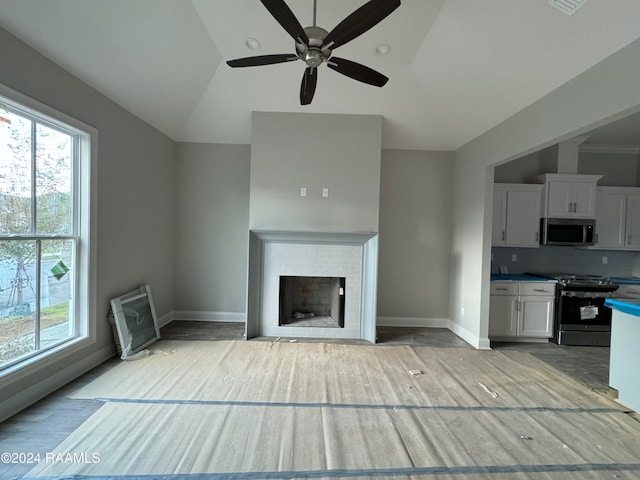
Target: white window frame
(86, 204)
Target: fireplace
(312, 301)
(342, 262)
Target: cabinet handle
(541, 290)
(537, 236)
(502, 289)
(596, 238)
(503, 235)
(629, 239)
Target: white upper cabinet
(516, 215)
(618, 218)
(633, 220)
(499, 231)
(569, 195)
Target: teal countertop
(626, 280)
(517, 277)
(632, 307)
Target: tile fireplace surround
(276, 253)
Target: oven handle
(583, 294)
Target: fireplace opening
(312, 301)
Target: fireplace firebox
(308, 301)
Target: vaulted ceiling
(457, 68)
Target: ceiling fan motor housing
(313, 54)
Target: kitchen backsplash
(566, 260)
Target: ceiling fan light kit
(314, 45)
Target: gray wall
(212, 227)
(294, 150)
(213, 223)
(135, 201)
(618, 168)
(415, 234)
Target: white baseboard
(521, 339)
(165, 319)
(37, 391)
(481, 343)
(199, 316)
(412, 322)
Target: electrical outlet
(325, 192)
(462, 311)
(605, 260)
(514, 257)
(303, 191)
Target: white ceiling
(457, 67)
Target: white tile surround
(313, 260)
(350, 255)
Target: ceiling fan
(314, 45)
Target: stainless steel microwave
(567, 231)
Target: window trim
(86, 204)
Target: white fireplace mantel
(361, 253)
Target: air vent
(567, 6)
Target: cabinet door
(498, 236)
(502, 316)
(535, 316)
(559, 199)
(584, 199)
(523, 218)
(611, 210)
(632, 240)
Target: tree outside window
(38, 235)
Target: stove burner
(572, 281)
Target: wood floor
(41, 427)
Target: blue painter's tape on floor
(370, 473)
(363, 406)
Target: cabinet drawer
(504, 288)
(538, 288)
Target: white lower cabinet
(521, 309)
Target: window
(44, 232)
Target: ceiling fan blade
(285, 17)
(357, 71)
(262, 60)
(364, 18)
(308, 87)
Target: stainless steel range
(580, 315)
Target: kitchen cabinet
(569, 195)
(628, 291)
(617, 218)
(624, 355)
(521, 310)
(516, 215)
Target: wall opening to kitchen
(307, 301)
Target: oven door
(584, 311)
(582, 319)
